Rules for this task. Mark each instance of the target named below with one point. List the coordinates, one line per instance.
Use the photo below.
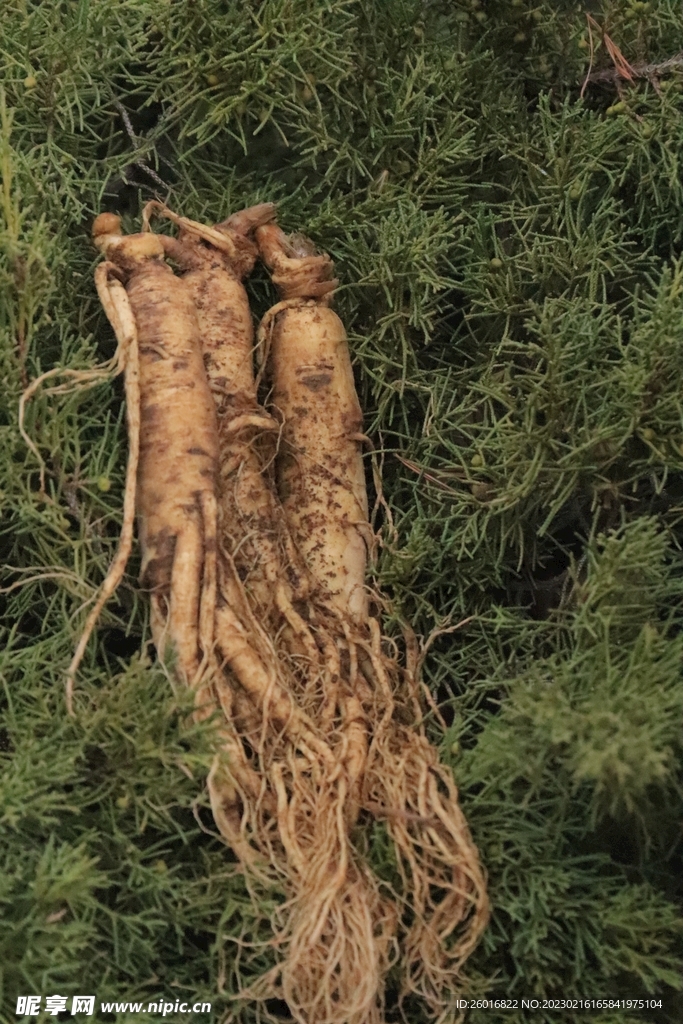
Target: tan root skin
(251, 521)
(178, 443)
(321, 479)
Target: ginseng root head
(126, 251)
(247, 220)
(106, 232)
(295, 271)
(106, 224)
(239, 227)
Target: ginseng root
(176, 501)
(321, 479)
(395, 768)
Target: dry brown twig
(622, 70)
(652, 72)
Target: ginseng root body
(394, 771)
(178, 446)
(321, 479)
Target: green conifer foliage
(512, 282)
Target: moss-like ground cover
(510, 253)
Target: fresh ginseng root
(176, 504)
(395, 769)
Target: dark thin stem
(125, 117)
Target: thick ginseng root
(394, 768)
(175, 498)
(320, 470)
(334, 948)
(178, 446)
(321, 478)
